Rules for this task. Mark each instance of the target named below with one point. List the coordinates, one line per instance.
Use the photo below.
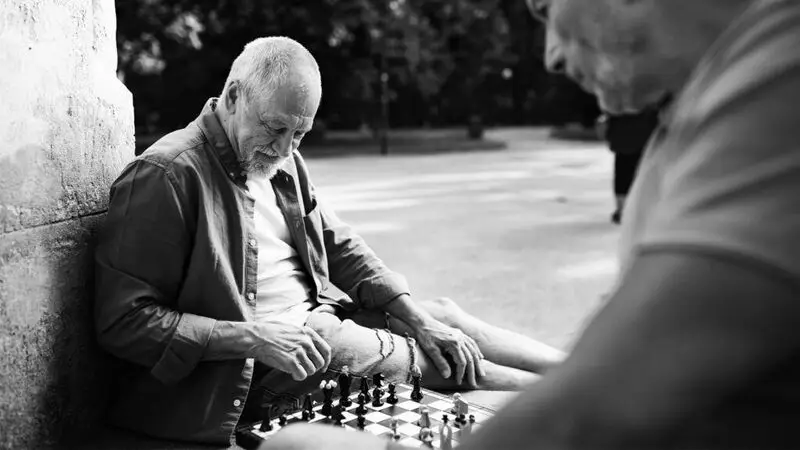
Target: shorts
(362, 341)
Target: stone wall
(66, 131)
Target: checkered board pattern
(378, 419)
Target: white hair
(269, 61)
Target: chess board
(378, 418)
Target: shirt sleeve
(735, 188)
(140, 260)
(353, 266)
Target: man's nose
(283, 145)
(554, 59)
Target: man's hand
(438, 339)
(298, 351)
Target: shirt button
(251, 296)
(237, 403)
(252, 242)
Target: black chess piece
(377, 379)
(416, 392)
(361, 422)
(377, 393)
(308, 407)
(327, 404)
(344, 388)
(365, 389)
(362, 408)
(282, 420)
(392, 399)
(266, 420)
(306, 416)
(337, 415)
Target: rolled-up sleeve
(140, 261)
(354, 267)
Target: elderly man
(698, 348)
(215, 273)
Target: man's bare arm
(684, 330)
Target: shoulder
(177, 151)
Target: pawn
(392, 399)
(361, 422)
(362, 408)
(282, 420)
(424, 417)
(365, 388)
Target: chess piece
(362, 408)
(308, 407)
(365, 388)
(445, 435)
(393, 427)
(377, 393)
(424, 417)
(266, 420)
(426, 436)
(416, 392)
(344, 387)
(460, 406)
(282, 420)
(327, 392)
(377, 379)
(392, 399)
(361, 422)
(337, 416)
(466, 428)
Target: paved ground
(520, 236)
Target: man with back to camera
(214, 268)
(698, 347)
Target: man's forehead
(283, 120)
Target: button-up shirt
(178, 252)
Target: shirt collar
(212, 128)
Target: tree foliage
(445, 60)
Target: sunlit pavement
(519, 237)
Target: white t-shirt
(283, 288)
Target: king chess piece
(445, 434)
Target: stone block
(55, 377)
(67, 121)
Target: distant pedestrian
(627, 136)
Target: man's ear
(232, 96)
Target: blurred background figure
(627, 137)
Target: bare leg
(499, 346)
(497, 378)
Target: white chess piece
(425, 418)
(445, 435)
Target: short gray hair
(268, 61)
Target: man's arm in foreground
(684, 331)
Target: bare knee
(444, 310)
